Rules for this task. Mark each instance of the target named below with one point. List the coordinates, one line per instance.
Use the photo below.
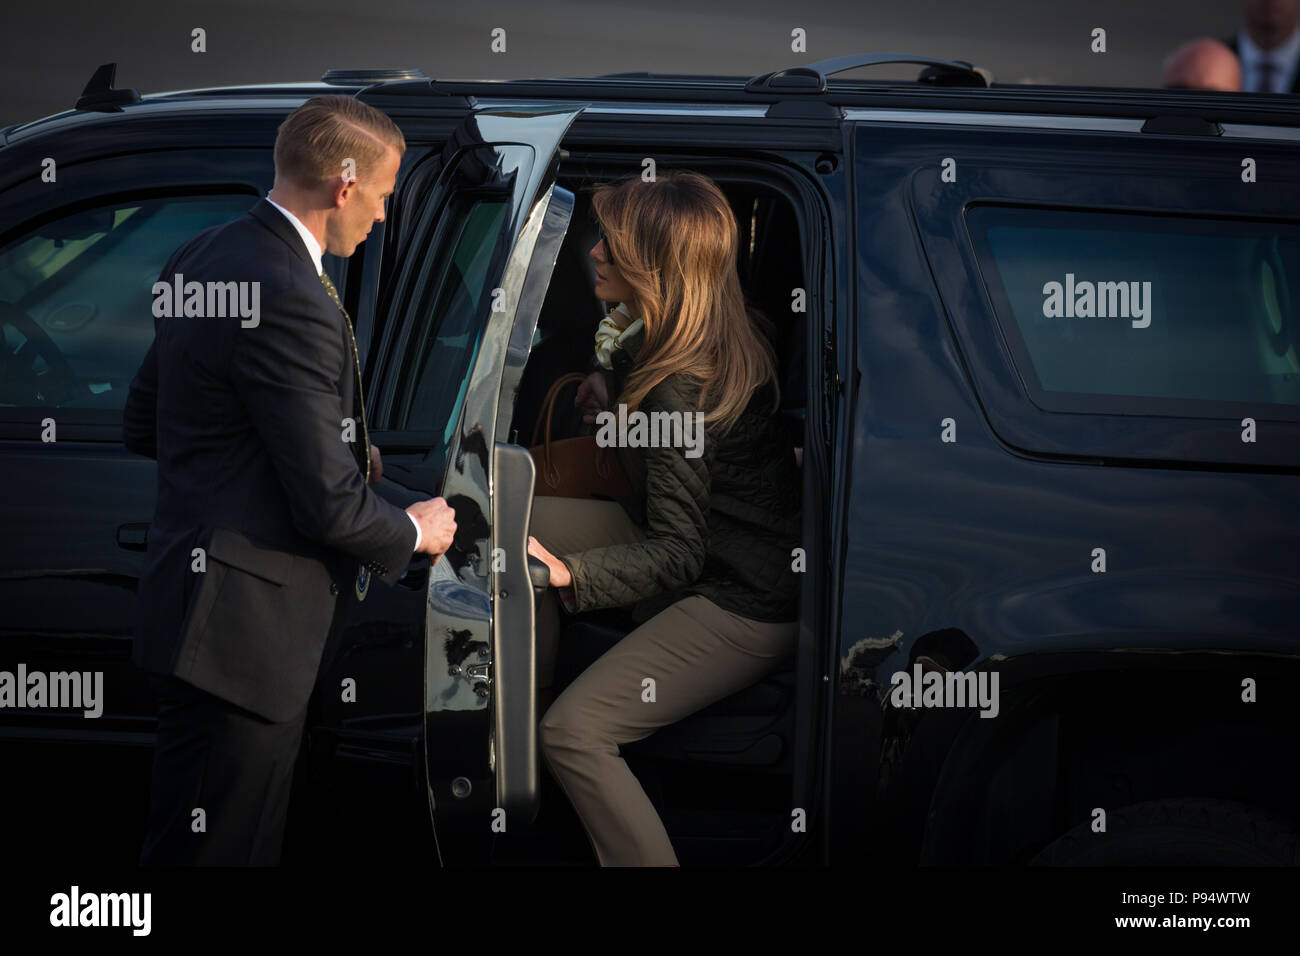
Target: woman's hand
(560, 577)
(592, 397)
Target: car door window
(443, 342)
(76, 302)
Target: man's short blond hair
(315, 140)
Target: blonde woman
(702, 552)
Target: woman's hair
(674, 240)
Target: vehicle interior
(721, 779)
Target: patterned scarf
(611, 332)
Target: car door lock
(479, 675)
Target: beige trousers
(688, 656)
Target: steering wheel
(57, 385)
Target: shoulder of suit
(245, 249)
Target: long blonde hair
(675, 241)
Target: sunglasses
(609, 252)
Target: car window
(1114, 312)
(76, 301)
(437, 356)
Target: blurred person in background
(1202, 64)
(1268, 44)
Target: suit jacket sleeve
(139, 416)
(286, 370)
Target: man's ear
(341, 189)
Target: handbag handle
(548, 403)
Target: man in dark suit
(250, 400)
(1268, 46)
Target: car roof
(668, 94)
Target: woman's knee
(563, 727)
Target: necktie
(360, 451)
(1265, 81)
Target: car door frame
(808, 164)
(479, 698)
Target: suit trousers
(686, 657)
(232, 764)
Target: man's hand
(437, 526)
(592, 397)
(376, 465)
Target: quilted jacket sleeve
(673, 553)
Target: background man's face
(1270, 13)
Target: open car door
(500, 222)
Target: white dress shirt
(311, 242)
(1284, 59)
(314, 250)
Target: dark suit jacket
(1231, 43)
(246, 425)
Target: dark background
(53, 48)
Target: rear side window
(1120, 313)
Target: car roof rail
(811, 77)
(100, 96)
(368, 77)
(394, 91)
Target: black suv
(1041, 356)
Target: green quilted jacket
(722, 525)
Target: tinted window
(76, 302)
(1111, 312)
(437, 356)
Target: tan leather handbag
(573, 467)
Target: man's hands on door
(437, 526)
